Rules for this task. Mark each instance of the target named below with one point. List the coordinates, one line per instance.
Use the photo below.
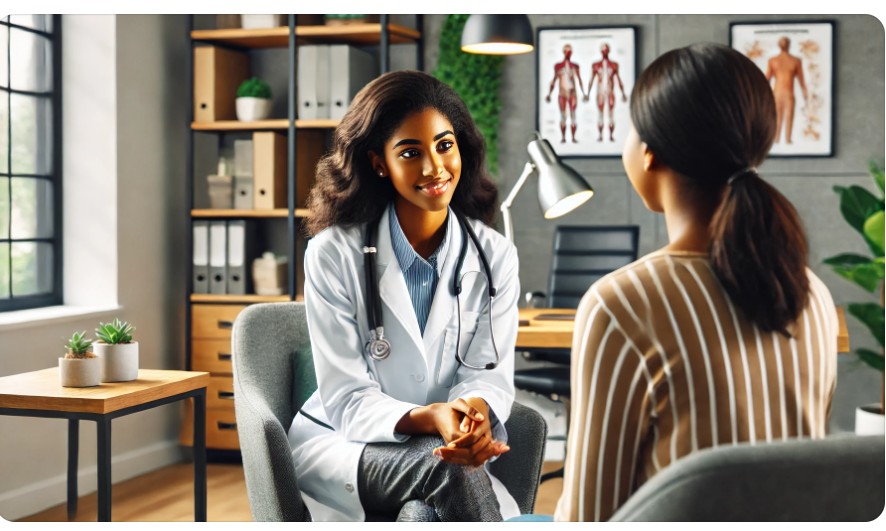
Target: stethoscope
(378, 347)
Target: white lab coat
(363, 399)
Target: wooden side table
(39, 394)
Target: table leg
(73, 455)
(200, 456)
(104, 469)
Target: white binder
(201, 256)
(350, 69)
(236, 264)
(313, 81)
(217, 257)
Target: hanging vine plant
(476, 78)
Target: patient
(723, 335)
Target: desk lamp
(560, 188)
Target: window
(30, 162)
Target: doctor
(414, 420)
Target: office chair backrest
(583, 255)
(839, 478)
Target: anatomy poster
(585, 76)
(797, 59)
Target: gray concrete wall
(807, 182)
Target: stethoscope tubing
(378, 347)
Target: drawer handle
(226, 395)
(230, 426)
(225, 325)
(224, 356)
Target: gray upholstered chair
(274, 375)
(839, 478)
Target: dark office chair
(582, 255)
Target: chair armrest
(267, 463)
(520, 469)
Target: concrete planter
(119, 362)
(252, 109)
(869, 420)
(79, 372)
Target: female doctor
(412, 309)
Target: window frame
(56, 296)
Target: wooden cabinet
(275, 224)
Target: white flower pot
(251, 109)
(119, 361)
(869, 420)
(79, 372)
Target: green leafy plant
(78, 346)
(115, 332)
(476, 79)
(864, 213)
(254, 88)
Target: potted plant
(864, 213)
(117, 351)
(253, 100)
(80, 367)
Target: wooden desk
(558, 334)
(39, 394)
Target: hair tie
(741, 173)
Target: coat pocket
(457, 337)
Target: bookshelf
(210, 316)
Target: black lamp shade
(497, 35)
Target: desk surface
(42, 390)
(536, 333)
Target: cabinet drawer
(220, 393)
(221, 429)
(213, 321)
(211, 355)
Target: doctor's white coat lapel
(392, 286)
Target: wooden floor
(167, 495)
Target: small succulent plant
(115, 332)
(254, 88)
(78, 346)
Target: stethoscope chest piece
(378, 347)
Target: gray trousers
(407, 479)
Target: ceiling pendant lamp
(497, 35)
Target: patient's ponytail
(707, 112)
(759, 252)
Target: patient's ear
(650, 161)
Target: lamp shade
(497, 35)
(560, 188)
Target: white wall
(125, 109)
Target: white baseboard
(43, 494)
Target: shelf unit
(209, 317)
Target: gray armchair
(839, 478)
(274, 375)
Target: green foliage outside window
(476, 78)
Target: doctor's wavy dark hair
(347, 191)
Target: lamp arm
(509, 200)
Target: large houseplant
(864, 212)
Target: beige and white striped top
(663, 364)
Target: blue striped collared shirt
(421, 275)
